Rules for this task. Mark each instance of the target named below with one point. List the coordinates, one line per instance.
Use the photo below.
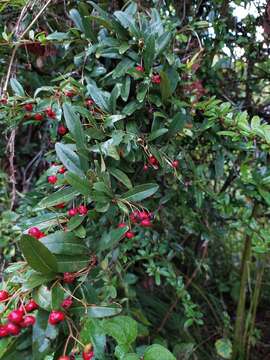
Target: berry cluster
(18, 319)
(39, 116)
(81, 209)
(142, 218)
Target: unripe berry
(52, 179)
(27, 321)
(28, 107)
(73, 212)
(3, 331)
(67, 303)
(4, 295)
(38, 117)
(31, 306)
(68, 278)
(15, 316)
(82, 210)
(12, 329)
(62, 130)
(56, 317)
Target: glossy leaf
(140, 192)
(37, 255)
(64, 243)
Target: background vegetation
(158, 111)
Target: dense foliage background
(134, 179)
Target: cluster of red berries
(81, 209)
(39, 116)
(86, 355)
(156, 79)
(18, 318)
(142, 218)
(129, 234)
(68, 278)
(52, 179)
(36, 233)
(152, 161)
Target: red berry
(60, 206)
(82, 210)
(145, 167)
(129, 235)
(4, 295)
(31, 306)
(38, 117)
(28, 320)
(73, 212)
(88, 355)
(12, 329)
(146, 223)
(35, 232)
(89, 102)
(3, 101)
(56, 316)
(62, 130)
(69, 93)
(28, 107)
(143, 215)
(66, 304)
(152, 160)
(121, 225)
(3, 331)
(52, 179)
(175, 164)
(50, 113)
(139, 68)
(62, 170)
(64, 357)
(68, 278)
(15, 316)
(156, 79)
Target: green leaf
(81, 184)
(131, 107)
(43, 221)
(157, 133)
(165, 86)
(93, 333)
(224, 348)
(64, 243)
(101, 98)
(43, 337)
(122, 328)
(74, 263)
(74, 222)
(149, 53)
(156, 351)
(109, 239)
(110, 120)
(140, 192)
(17, 87)
(122, 67)
(76, 18)
(131, 357)
(37, 279)
(42, 297)
(96, 312)
(57, 297)
(74, 125)
(122, 177)
(69, 158)
(62, 195)
(162, 42)
(37, 255)
(125, 88)
(142, 91)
